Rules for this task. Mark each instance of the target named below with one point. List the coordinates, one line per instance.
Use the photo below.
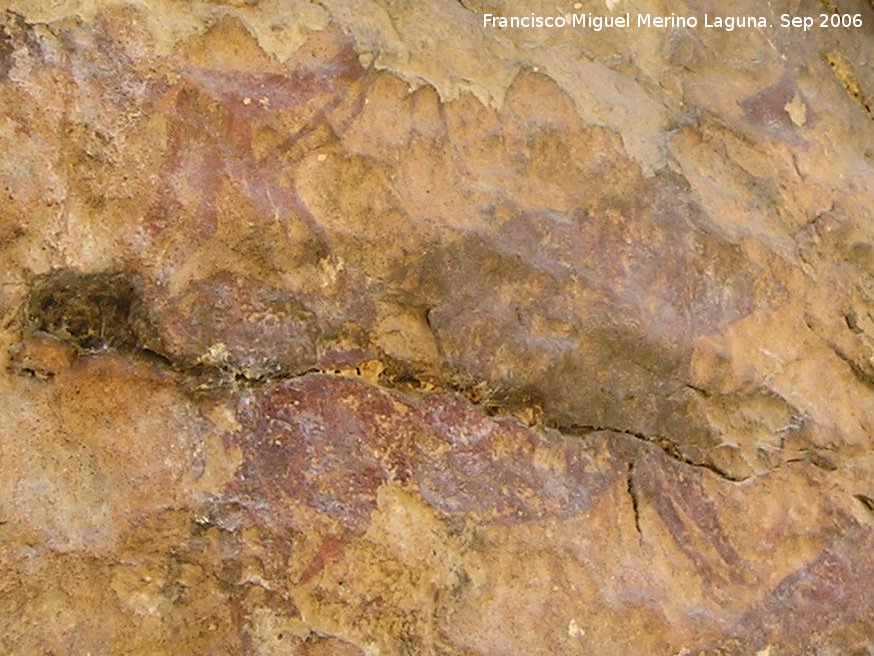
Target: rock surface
(357, 328)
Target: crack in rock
(99, 312)
(667, 446)
(632, 492)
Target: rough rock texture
(354, 328)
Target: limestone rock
(362, 328)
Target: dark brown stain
(6, 51)
(91, 311)
(766, 110)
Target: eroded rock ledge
(321, 339)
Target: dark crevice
(866, 501)
(668, 447)
(699, 390)
(33, 373)
(102, 312)
(220, 376)
(160, 358)
(852, 321)
(820, 461)
(854, 366)
(632, 492)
